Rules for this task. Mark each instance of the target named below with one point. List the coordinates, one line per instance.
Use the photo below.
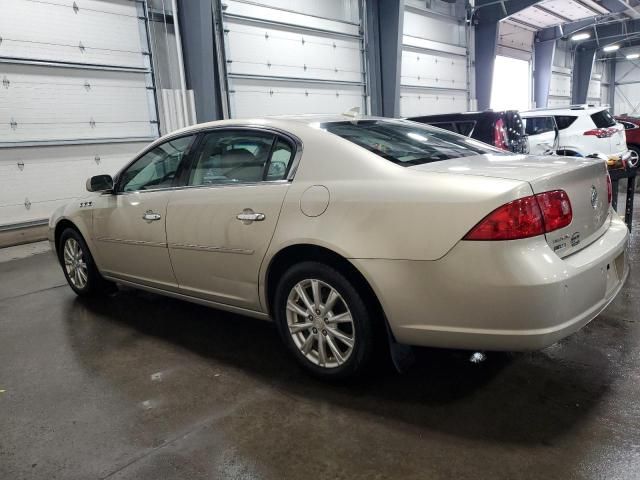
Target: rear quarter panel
(381, 210)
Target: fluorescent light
(611, 48)
(581, 36)
(633, 56)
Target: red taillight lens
(525, 217)
(609, 189)
(556, 209)
(601, 132)
(500, 139)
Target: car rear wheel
(323, 320)
(78, 265)
(635, 155)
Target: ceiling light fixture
(580, 36)
(633, 56)
(611, 48)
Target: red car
(632, 130)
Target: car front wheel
(78, 265)
(323, 320)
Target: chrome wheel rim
(74, 263)
(320, 323)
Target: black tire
(94, 284)
(362, 327)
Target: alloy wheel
(75, 264)
(320, 323)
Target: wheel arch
(296, 253)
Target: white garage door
(293, 56)
(76, 99)
(434, 75)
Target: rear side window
(465, 128)
(408, 143)
(538, 125)
(564, 121)
(603, 119)
(628, 125)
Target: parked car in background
(353, 232)
(502, 129)
(577, 131)
(632, 131)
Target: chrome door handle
(249, 216)
(150, 216)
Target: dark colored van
(504, 130)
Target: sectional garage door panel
(60, 104)
(36, 180)
(287, 98)
(284, 61)
(101, 33)
(433, 69)
(434, 73)
(76, 99)
(256, 50)
(425, 102)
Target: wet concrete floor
(138, 386)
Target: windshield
(407, 143)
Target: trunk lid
(584, 180)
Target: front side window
(538, 125)
(157, 168)
(241, 156)
(408, 143)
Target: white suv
(577, 130)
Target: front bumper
(512, 295)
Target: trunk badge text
(85, 204)
(594, 197)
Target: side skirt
(188, 298)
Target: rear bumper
(515, 295)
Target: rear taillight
(601, 132)
(500, 139)
(609, 189)
(525, 217)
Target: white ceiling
(548, 13)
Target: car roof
(568, 110)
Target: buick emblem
(594, 197)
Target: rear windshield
(408, 143)
(603, 119)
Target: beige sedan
(355, 233)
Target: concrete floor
(137, 386)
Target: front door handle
(150, 216)
(249, 216)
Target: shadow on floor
(523, 398)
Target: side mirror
(100, 183)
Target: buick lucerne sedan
(353, 232)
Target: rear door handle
(249, 216)
(150, 216)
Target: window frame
(294, 142)
(117, 189)
(182, 177)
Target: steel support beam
(198, 42)
(612, 86)
(581, 74)
(542, 63)
(384, 22)
(486, 38)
